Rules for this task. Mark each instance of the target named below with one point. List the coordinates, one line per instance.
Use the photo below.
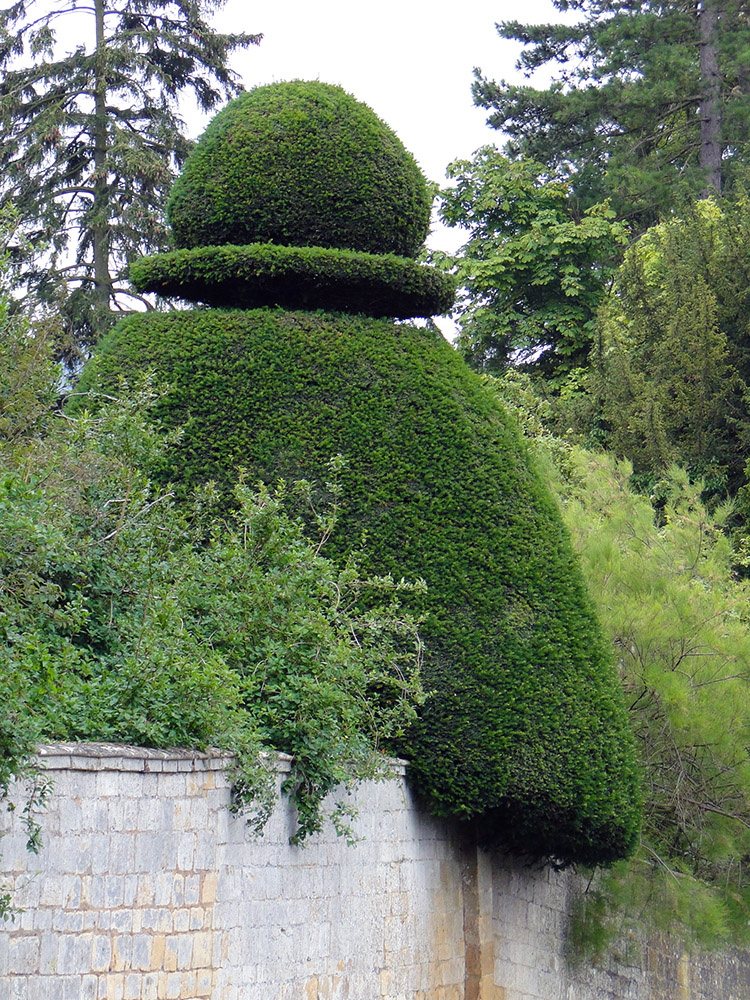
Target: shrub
(302, 164)
(124, 618)
(525, 730)
(262, 274)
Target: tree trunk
(100, 228)
(710, 105)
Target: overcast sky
(410, 60)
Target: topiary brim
(267, 274)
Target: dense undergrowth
(127, 618)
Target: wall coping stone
(121, 757)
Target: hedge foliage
(525, 730)
(301, 164)
(263, 274)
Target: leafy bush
(677, 617)
(262, 274)
(125, 618)
(525, 729)
(28, 378)
(301, 164)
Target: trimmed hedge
(263, 274)
(526, 731)
(301, 164)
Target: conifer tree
(92, 137)
(650, 104)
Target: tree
(92, 138)
(532, 274)
(651, 104)
(671, 370)
(677, 618)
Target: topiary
(301, 164)
(526, 730)
(262, 274)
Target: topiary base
(526, 730)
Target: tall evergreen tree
(671, 369)
(92, 138)
(650, 105)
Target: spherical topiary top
(301, 164)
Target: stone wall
(147, 888)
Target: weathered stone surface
(147, 888)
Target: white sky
(411, 60)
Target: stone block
(208, 886)
(122, 815)
(101, 957)
(4, 955)
(24, 953)
(115, 987)
(52, 890)
(149, 852)
(96, 816)
(67, 921)
(132, 987)
(186, 852)
(122, 921)
(192, 889)
(48, 955)
(56, 762)
(92, 891)
(111, 786)
(170, 962)
(190, 813)
(184, 951)
(187, 986)
(114, 889)
(130, 764)
(150, 986)
(122, 952)
(142, 944)
(205, 852)
(89, 988)
(74, 953)
(151, 815)
(121, 858)
(130, 890)
(202, 950)
(204, 983)
(173, 986)
(96, 855)
(177, 894)
(146, 892)
(171, 786)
